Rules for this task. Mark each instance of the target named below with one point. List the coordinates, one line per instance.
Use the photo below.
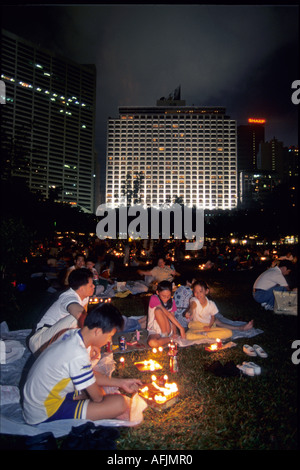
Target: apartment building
(49, 116)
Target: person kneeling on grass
(61, 383)
(162, 324)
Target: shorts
(70, 409)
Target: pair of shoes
(254, 350)
(249, 368)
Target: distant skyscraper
(256, 186)
(174, 153)
(50, 112)
(249, 137)
(273, 156)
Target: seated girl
(201, 315)
(162, 324)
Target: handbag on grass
(286, 302)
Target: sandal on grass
(259, 351)
(249, 350)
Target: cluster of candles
(156, 350)
(172, 348)
(214, 346)
(160, 390)
(98, 300)
(148, 365)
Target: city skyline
(241, 57)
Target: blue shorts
(70, 409)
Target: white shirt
(204, 314)
(270, 278)
(162, 274)
(62, 368)
(59, 309)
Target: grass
(216, 413)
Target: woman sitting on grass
(162, 324)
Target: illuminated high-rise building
(49, 116)
(174, 153)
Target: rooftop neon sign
(256, 121)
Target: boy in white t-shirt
(62, 384)
(68, 311)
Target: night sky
(244, 58)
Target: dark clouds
(241, 57)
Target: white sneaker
(255, 367)
(246, 369)
(268, 307)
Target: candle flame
(160, 398)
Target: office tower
(292, 166)
(256, 186)
(249, 137)
(273, 156)
(172, 153)
(49, 116)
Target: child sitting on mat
(202, 313)
(162, 324)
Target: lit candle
(122, 361)
(154, 350)
(160, 349)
